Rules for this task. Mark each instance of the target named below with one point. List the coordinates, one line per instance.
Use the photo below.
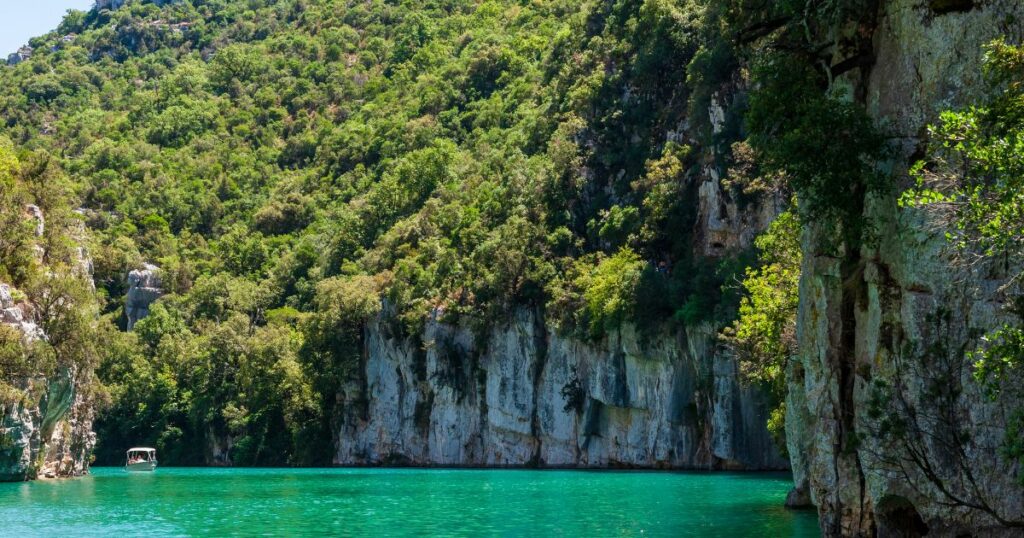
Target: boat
(141, 459)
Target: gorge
(646, 234)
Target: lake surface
(402, 502)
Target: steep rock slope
(873, 326)
(530, 396)
(46, 427)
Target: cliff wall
(46, 426)
(530, 396)
(877, 323)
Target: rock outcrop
(533, 397)
(144, 287)
(46, 426)
(18, 314)
(875, 323)
(108, 4)
(48, 433)
(23, 53)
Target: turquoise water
(402, 502)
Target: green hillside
(288, 163)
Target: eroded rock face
(21, 55)
(725, 225)
(36, 214)
(17, 314)
(867, 318)
(144, 287)
(534, 397)
(48, 434)
(46, 430)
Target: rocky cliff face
(144, 288)
(530, 396)
(49, 432)
(877, 322)
(46, 431)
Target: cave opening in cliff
(897, 516)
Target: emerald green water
(397, 502)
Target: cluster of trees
(42, 270)
(288, 163)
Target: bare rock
(144, 287)
(533, 397)
(799, 497)
(862, 330)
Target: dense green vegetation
(287, 163)
(763, 336)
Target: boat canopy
(141, 449)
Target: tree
(763, 336)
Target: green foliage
(827, 147)
(777, 427)
(805, 132)
(290, 164)
(763, 337)
(976, 162)
(41, 271)
(973, 178)
(20, 362)
(178, 123)
(201, 365)
(609, 290)
(334, 331)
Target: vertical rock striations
(527, 395)
(530, 396)
(872, 323)
(144, 287)
(46, 425)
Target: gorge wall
(533, 397)
(46, 427)
(527, 395)
(869, 324)
(49, 433)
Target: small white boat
(141, 459)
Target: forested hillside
(314, 181)
(286, 163)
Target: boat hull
(141, 466)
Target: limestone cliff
(46, 427)
(875, 318)
(49, 432)
(530, 396)
(144, 288)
